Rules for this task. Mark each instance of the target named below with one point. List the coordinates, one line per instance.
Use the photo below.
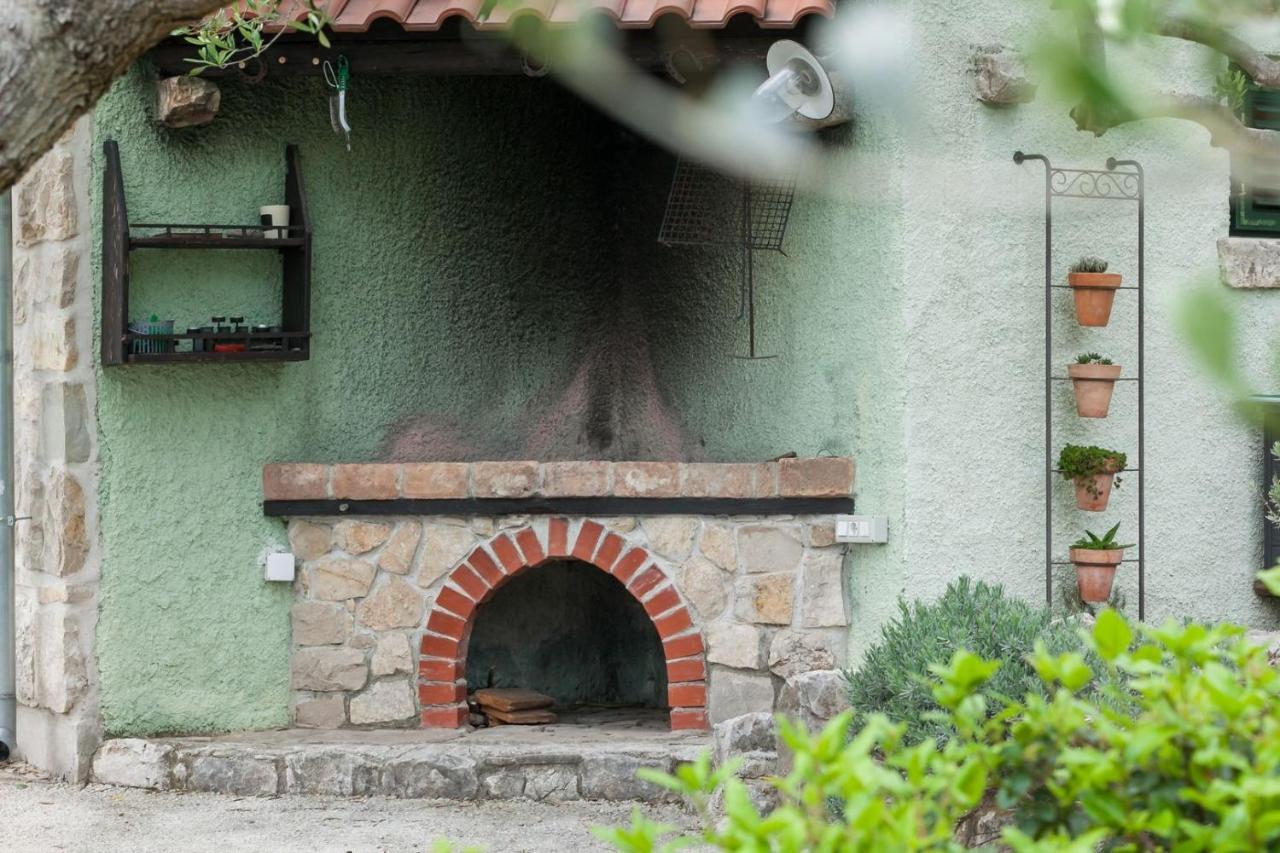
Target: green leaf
(971, 783)
(1104, 807)
(738, 806)
(1208, 323)
(1073, 672)
(1111, 634)
(1271, 580)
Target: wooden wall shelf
(119, 238)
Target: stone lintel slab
(430, 483)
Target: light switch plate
(865, 529)
(280, 567)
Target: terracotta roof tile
(355, 16)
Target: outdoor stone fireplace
(418, 582)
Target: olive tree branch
(1263, 70)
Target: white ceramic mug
(279, 214)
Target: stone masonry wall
(384, 605)
(56, 462)
(764, 594)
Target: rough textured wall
(484, 240)
(973, 325)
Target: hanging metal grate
(705, 208)
(708, 208)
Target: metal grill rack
(1122, 180)
(705, 208)
(709, 208)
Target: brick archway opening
(442, 667)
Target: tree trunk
(58, 57)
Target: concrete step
(546, 763)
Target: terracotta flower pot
(1094, 293)
(1096, 572)
(1093, 493)
(1093, 384)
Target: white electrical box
(862, 528)
(280, 567)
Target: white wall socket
(280, 567)
(862, 528)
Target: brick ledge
(820, 477)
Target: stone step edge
(427, 771)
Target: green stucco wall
(484, 240)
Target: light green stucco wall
(482, 240)
(487, 236)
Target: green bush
(1077, 461)
(1181, 753)
(979, 618)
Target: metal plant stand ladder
(1122, 180)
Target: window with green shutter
(1255, 190)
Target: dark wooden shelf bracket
(119, 238)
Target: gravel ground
(41, 816)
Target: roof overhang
(359, 16)
(445, 37)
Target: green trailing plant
(1273, 491)
(235, 35)
(1089, 264)
(1078, 462)
(1092, 358)
(1179, 751)
(975, 616)
(1230, 87)
(1106, 542)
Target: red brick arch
(442, 668)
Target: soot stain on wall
(631, 316)
(567, 630)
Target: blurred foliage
(1182, 752)
(1230, 87)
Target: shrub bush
(979, 618)
(1182, 753)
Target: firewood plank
(530, 717)
(512, 699)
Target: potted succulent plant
(1096, 559)
(1094, 289)
(1094, 470)
(1094, 379)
